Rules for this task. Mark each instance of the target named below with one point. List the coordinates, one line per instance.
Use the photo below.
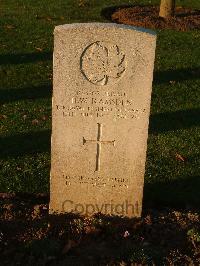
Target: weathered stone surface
(101, 103)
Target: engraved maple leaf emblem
(102, 62)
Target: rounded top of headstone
(105, 25)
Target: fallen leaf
(83, 3)
(3, 116)
(9, 27)
(91, 230)
(44, 117)
(123, 263)
(49, 18)
(35, 122)
(36, 211)
(50, 76)
(38, 49)
(45, 208)
(126, 234)
(179, 157)
(147, 220)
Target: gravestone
(101, 103)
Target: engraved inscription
(96, 181)
(102, 62)
(98, 141)
(110, 104)
(100, 111)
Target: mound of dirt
(148, 17)
(30, 236)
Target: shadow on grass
(32, 93)
(9, 95)
(182, 119)
(182, 193)
(36, 198)
(25, 58)
(176, 75)
(22, 144)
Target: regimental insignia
(102, 63)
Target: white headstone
(101, 104)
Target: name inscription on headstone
(101, 104)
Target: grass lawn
(26, 47)
(172, 177)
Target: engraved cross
(98, 142)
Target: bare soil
(148, 17)
(30, 236)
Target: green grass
(26, 47)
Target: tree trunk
(167, 8)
